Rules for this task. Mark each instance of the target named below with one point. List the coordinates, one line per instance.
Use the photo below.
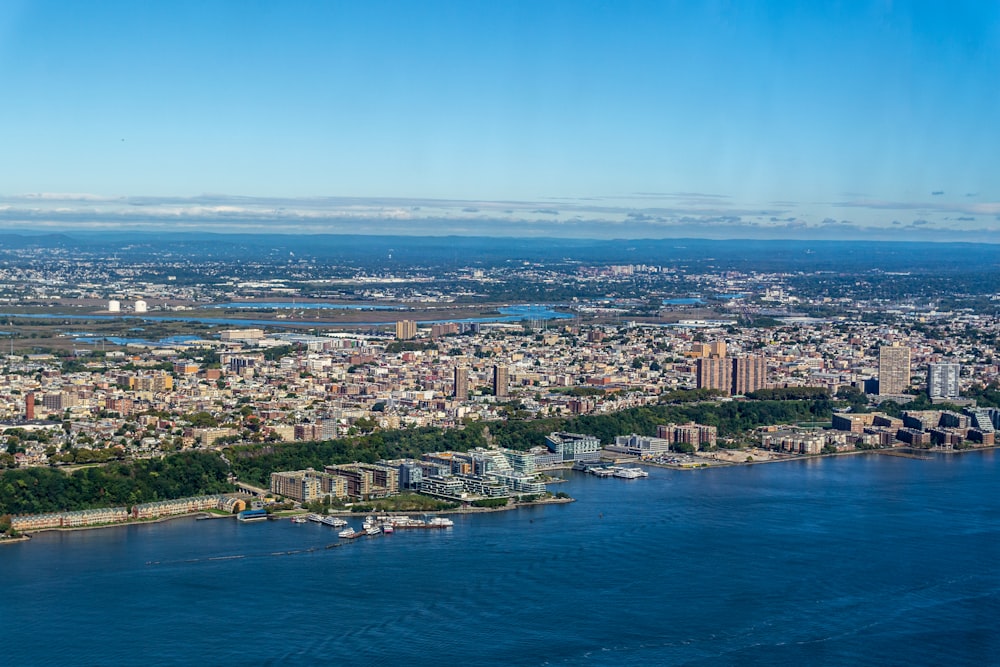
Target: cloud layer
(638, 215)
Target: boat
(387, 528)
(369, 522)
(372, 530)
(630, 473)
(315, 517)
(299, 519)
(440, 522)
(333, 521)
(347, 533)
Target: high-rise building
(500, 381)
(893, 369)
(406, 329)
(29, 405)
(714, 373)
(942, 380)
(461, 383)
(749, 374)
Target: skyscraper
(461, 383)
(406, 329)
(893, 369)
(714, 373)
(500, 381)
(749, 374)
(942, 380)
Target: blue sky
(721, 119)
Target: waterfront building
(942, 380)
(308, 485)
(574, 446)
(700, 436)
(893, 369)
(366, 480)
(640, 445)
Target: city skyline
(864, 120)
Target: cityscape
(522, 334)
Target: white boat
(387, 528)
(440, 522)
(298, 519)
(333, 521)
(373, 529)
(347, 532)
(315, 517)
(631, 473)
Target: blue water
(308, 305)
(688, 301)
(854, 560)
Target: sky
(593, 119)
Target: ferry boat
(315, 517)
(372, 530)
(333, 521)
(630, 473)
(440, 522)
(347, 533)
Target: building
(893, 369)
(640, 445)
(574, 446)
(749, 374)
(29, 406)
(365, 480)
(406, 329)
(461, 387)
(114, 306)
(241, 335)
(700, 436)
(307, 485)
(141, 306)
(500, 381)
(942, 380)
(714, 373)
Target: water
(687, 301)
(507, 314)
(852, 560)
(307, 305)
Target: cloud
(546, 211)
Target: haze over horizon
(592, 120)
